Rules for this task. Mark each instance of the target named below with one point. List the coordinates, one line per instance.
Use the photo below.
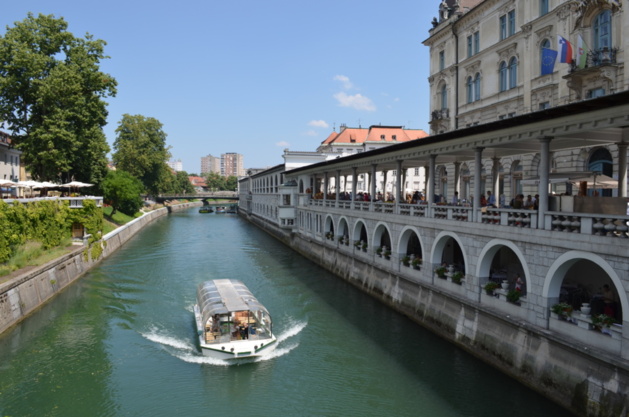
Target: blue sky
(256, 77)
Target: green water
(121, 341)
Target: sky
(255, 77)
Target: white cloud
(357, 101)
(347, 84)
(282, 144)
(318, 123)
(310, 133)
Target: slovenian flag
(565, 50)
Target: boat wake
(187, 351)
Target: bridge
(213, 195)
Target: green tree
(215, 181)
(140, 149)
(122, 190)
(231, 183)
(51, 99)
(182, 184)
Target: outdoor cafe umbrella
(75, 184)
(29, 184)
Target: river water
(121, 341)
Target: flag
(582, 52)
(565, 50)
(549, 56)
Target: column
(373, 182)
(384, 185)
(478, 164)
(495, 172)
(430, 190)
(354, 183)
(622, 166)
(457, 179)
(337, 181)
(325, 186)
(544, 174)
(398, 181)
(426, 174)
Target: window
(511, 17)
(543, 7)
(544, 45)
(503, 27)
(513, 72)
(442, 60)
(394, 137)
(602, 27)
(382, 137)
(470, 50)
(544, 105)
(503, 76)
(477, 87)
(416, 172)
(507, 25)
(470, 89)
(473, 44)
(444, 97)
(596, 92)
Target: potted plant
(562, 310)
(406, 260)
(457, 277)
(490, 287)
(364, 246)
(379, 252)
(416, 262)
(387, 254)
(513, 296)
(441, 271)
(602, 322)
(341, 238)
(357, 244)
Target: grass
(32, 254)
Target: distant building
(198, 183)
(177, 166)
(232, 165)
(210, 164)
(9, 159)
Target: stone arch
(328, 224)
(440, 245)
(405, 238)
(557, 272)
(489, 252)
(382, 236)
(359, 231)
(343, 228)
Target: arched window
(602, 28)
(503, 76)
(477, 86)
(444, 97)
(544, 45)
(513, 72)
(470, 89)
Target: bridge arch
(448, 248)
(410, 242)
(488, 254)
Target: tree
(51, 99)
(231, 183)
(140, 149)
(215, 181)
(122, 190)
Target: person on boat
(244, 331)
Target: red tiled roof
(197, 181)
(374, 134)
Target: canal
(121, 341)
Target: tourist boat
(206, 210)
(221, 210)
(231, 323)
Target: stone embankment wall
(580, 378)
(22, 295)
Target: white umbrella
(77, 184)
(7, 183)
(29, 184)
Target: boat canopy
(223, 296)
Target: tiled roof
(374, 134)
(197, 181)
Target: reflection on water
(122, 341)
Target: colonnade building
(542, 292)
